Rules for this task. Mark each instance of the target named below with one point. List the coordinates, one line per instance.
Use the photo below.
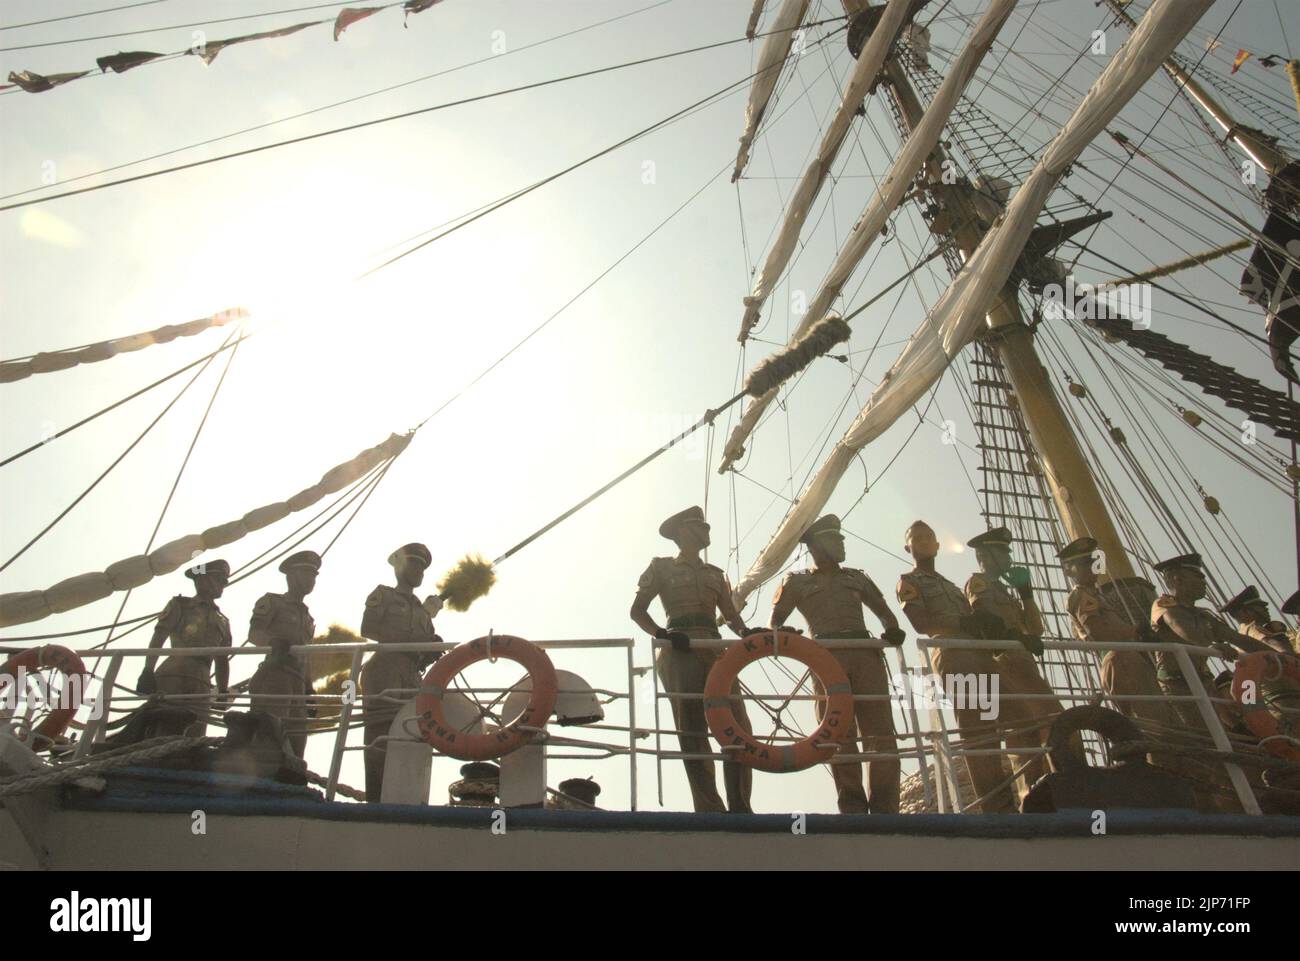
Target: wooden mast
(1074, 490)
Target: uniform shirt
(830, 601)
(690, 592)
(989, 595)
(1206, 630)
(194, 622)
(1274, 634)
(1093, 613)
(279, 618)
(940, 598)
(397, 617)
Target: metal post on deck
(916, 733)
(631, 726)
(341, 735)
(1211, 718)
(95, 728)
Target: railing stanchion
(341, 735)
(1212, 724)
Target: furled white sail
(24, 606)
(888, 195)
(957, 316)
(754, 16)
(775, 50)
(12, 370)
(864, 75)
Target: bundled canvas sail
(44, 363)
(957, 317)
(860, 83)
(775, 50)
(889, 194)
(132, 572)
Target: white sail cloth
(865, 71)
(775, 50)
(24, 606)
(957, 316)
(754, 16)
(888, 195)
(12, 370)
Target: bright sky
(338, 365)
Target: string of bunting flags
(207, 51)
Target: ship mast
(1255, 145)
(1074, 490)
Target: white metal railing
(926, 743)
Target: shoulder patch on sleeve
(907, 591)
(265, 606)
(376, 598)
(171, 614)
(977, 584)
(649, 577)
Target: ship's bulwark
(300, 833)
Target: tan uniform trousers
(1017, 674)
(394, 672)
(181, 676)
(1131, 672)
(279, 679)
(685, 673)
(868, 674)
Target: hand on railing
(147, 684)
(681, 640)
(894, 636)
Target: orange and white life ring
(58, 658)
(518, 732)
(819, 746)
(1255, 670)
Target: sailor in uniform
(692, 593)
(1176, 619)
(280, 622)
(1250, 611)
(394, 615)
(937, 607)
(1097, 619)
(1291, 606)
(831, 599)
(1021, 621)
(190, 622)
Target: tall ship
(920, 489)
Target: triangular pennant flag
(35, 83)
(1242, 56)
(351, 15)
(122, 62)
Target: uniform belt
(684, 621)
